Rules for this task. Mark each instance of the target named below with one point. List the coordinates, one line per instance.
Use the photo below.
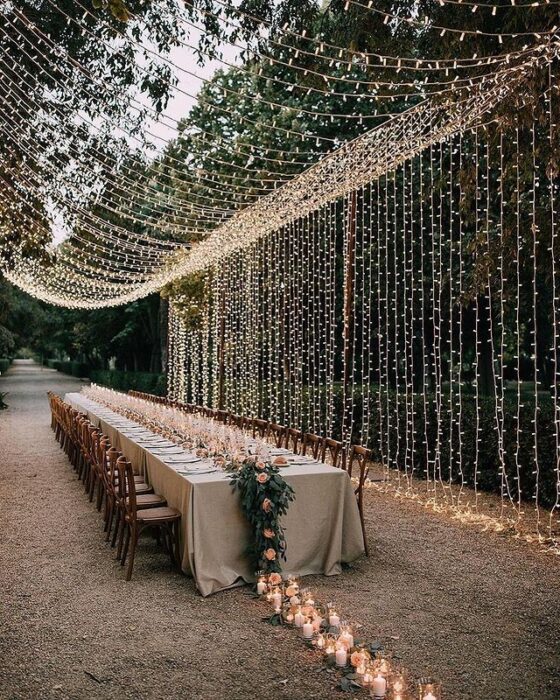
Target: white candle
(379, 686)
(277, 599)
(347, 639)
(320, 642)
(299, 619)
(334, 620)
(429, 696)
(261, 587)
(341, 656)
(367, 679)
(308, 630)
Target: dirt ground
(478, 610)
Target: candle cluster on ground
(363, 665)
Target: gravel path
(480, 611)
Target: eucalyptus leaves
(265, 498)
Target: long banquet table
(322, 525)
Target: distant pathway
(479, 611)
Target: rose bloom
(290, 591)
(266, 505)
(274, 579)
(356, 658)
(261, 465)
(270, 554)
(268, 533)
(262, 478)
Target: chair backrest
(127, 488)
(312, 444)
(222, 416)
(293, 439)
(276, 433)
(359, 458)
(112, 456)
(260, 427)
(333, 453)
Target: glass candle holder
(429, 689)
(398, 686)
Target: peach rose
(294, 600)
(270, 554)
(291, 591)
(267, 505)
(262, 478)
(356, 658)
(260, 464)
(274, 579)
(268, 533)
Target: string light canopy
(220, 211)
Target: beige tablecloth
(322, 525)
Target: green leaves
(262, 504)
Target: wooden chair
(135, 520)
(260, 427)
(313, 444)
(113, 497)
(276, 433)
(333, 453)
(293, 439)
(222, 416)
(358, 461)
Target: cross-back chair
(276, 433)
(312, 444)
(135, 520)
(357, 465)
(293, 439)
(260, 427)
(333, 453)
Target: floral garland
(265, 498)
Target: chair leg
(126, 544)
(361, 510)
(176, 544)
(100, 493)
(134, 537)
(119, 524)
(109, 523)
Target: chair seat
(150, 500)
(154, 514)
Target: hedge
(489, 476)
(147, 382)
(4, 364)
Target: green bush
(390, 444)
(147, 382)
(4, 364)
(54, 364)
